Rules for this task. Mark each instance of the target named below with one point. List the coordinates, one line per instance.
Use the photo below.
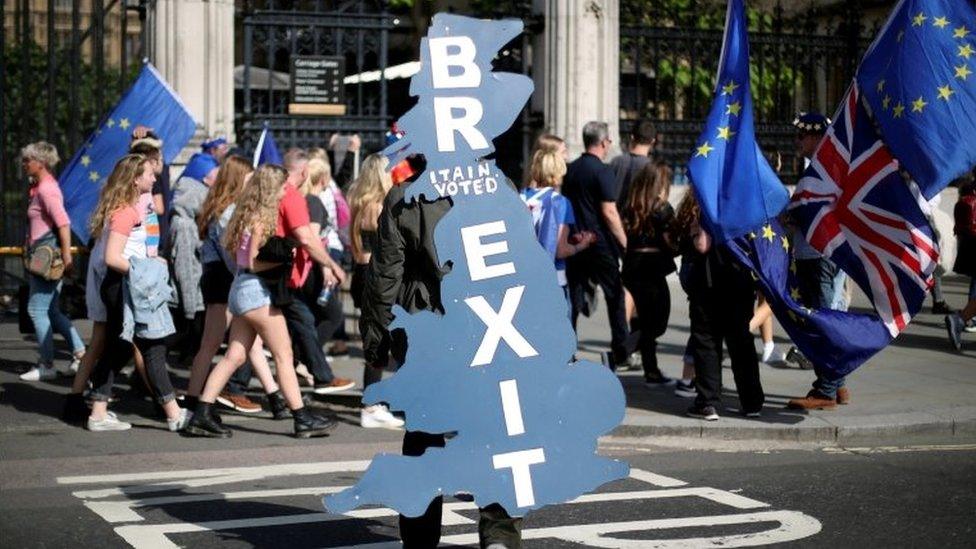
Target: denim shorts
(247, 293)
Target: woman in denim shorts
(250, 232)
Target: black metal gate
(273, 31)
(802, 59)
(63, 63)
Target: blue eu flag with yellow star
(736, 187)
(836, 342)
(918, 78)
(149, 102)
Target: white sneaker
(379, 417)
(110, 423)
(71, 369)
(41, 372)
(176, 425)
(774, 356)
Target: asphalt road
(62, 486)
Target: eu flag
(149, 102)
(836, 342)
(735, 185)
(918, 78)
(266, 151)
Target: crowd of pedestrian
(254, 260)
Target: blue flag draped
(735, 185)
(149, 102)
(918, 78)
(836, 342)
(266, 151)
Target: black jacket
(403, 269)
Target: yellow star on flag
(881, 84)
(704, 149)
(899, 110)
(786, 243)
(940, 22)
(733, 108)
(795, 294)
(93, 176)
(918, 104)
(752, 235)
(793, 316)
(962, 71)
(110, 123)
(901, 34)
(725, 133)
(768, 233)
(729, 88)
(918, 19)
(965, 51)
(124, 123)
(885, 102)
(85, 160)
(960, 32)
(945, 92)
(793, 266)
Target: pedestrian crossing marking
(123, 496)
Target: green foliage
(25, 109)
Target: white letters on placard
(446, 123)
(476, 252)
(441, 61)
(511, 407)
(519, 462)
(498, 326)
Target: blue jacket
(146, 295)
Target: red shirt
(292, 214)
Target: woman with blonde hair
(215, 283)
(552, 214)
(649, 259)
(47, 226)
(366, 196)
(130, 287)
(263, 261)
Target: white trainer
(41, 372)
(109, 423)
(176, 425)
(71, 369)
(379, 417)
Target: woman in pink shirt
(48, 224)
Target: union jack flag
(856, 208)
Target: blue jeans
(827, 387)
(42, 306)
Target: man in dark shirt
(625, 167)
(591, 187)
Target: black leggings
(649, 287)
(118, 351)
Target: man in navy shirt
(591, 187)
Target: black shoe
(204, 424)
(279, 408)
(658, 381)
(190, 403)
(942, 308)
(796, 357)
(75, 408)
(309, 425)
(707, 413)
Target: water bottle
(325, 295)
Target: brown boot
(813, 401)
(843, 396)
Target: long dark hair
(647, 195)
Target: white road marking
(791, 525)
(901, 449)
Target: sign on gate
(316, 85)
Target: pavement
(918, 385)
